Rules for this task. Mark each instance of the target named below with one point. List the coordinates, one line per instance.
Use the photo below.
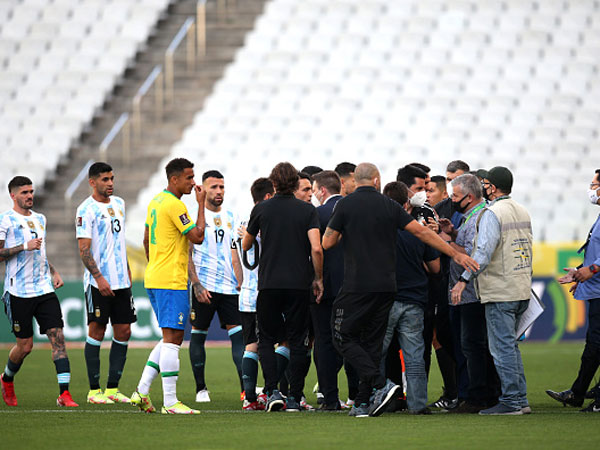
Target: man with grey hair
(503, 247)
(368, 222)
(468, 315)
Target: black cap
(500, 177)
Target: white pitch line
(91, 411)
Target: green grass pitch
(38, 423)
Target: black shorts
(119, 309)
(249, 326)
(226, 306)
(21, 311)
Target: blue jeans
(407, 320)
(502, 320)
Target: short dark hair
(440, 181)
(304, 176)
(261, 187)
(311, 170)
(423, 167)
(396, 190)
(408, 173)
(97, 168)
(598, 172)
(453, 166)
(285, 178)
(330, 180)
(178, 165)
(345, 169)
(212, 174)
(17, 182)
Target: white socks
(151, 369)
(169, 372)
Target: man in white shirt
(29, 290)
(107, 281)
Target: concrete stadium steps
(226, 30)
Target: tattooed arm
(7, 253)
(85, 253)
(57, 342)
(56, 278)
(331, 238)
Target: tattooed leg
(57, 342)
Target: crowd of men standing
(371, 281)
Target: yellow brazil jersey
(168, 223)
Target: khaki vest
(507, 278)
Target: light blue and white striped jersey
(249, 291)
(104, 224)
(28, 272)
(212, 258)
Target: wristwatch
(594, 269)
(463, 279)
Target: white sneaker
(202, 396)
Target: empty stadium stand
(510, 82)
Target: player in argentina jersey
(107, 281)
(29, 290)
(262, 189)
(216, 276)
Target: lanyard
(477, 208)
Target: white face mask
(593, 195)
(418, 199)
(449, 189)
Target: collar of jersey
(169, 192)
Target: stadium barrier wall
(563, 319)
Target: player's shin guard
(151, 369)
(198, 357)
(250, 374)
(92, 361)
(169, 365)
(10, 370)
(63, 373)
(237, 350)
(117, 358)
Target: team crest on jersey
(16, 327)
(184, 219)
(111, 211)
(229, 225)
(193, 314)
(31, 225)
(218, 222)
(180, 318)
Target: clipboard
(533, 311)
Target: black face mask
(486, 195)
(456, 205)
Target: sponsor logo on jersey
(79, 221)
(184, 219)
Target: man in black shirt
(290, 236)
(368, 221)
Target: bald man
(369, 222)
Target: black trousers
(327, 359)
(282, 315)
(484, 384)
(590, 359)
(359, 322)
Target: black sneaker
(275, 402)
(593, 392)
(566, 398)
(398, 403)
(333, 407)
(592, 407)
(444, 403)
(466, 408)
(361, 410)
(291, 405)
(382, 397)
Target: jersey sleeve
(430, 254)
(3, 227)
(83, 223)
(180, 217)
(254, 222)
(314, 220)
